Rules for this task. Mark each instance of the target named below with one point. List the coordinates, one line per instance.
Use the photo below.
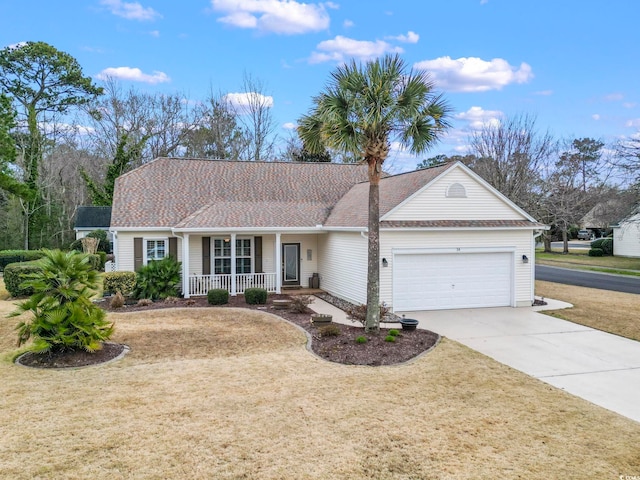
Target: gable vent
(456, 190)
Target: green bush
(158, 279)
(64, 315)
(16, 256)
(14, 276)
(597, 243)
(123, 282)
(607, 246)
(218, 296)
(390, 338)
(596, 252)
(394, 333)
(361, 339)
(255, 296)
(330, 330)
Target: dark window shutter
(206, 255)
(257, 259)
(138, 260)
(173, 247)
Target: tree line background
(64, 140)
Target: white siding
(124, 255)
(195, 254)
(520, 240)
(431, 203)
(626, 240)
(343, 265)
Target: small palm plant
(158, 279)
(64, 317)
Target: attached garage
(440, 279)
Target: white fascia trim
(222, 230)
(435, 251)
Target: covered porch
(238, 260)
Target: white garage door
(452, 280)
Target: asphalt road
(582, 278)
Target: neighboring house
(447, 238)
(626, 236)
(89, 219)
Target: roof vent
(456, 190)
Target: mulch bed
(340, 348)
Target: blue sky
(575, 64)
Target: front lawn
(580, 259)
(230, 394)
(613, 312)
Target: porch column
(234, 290)
(278, 263)
(185, 266)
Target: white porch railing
(199, 285)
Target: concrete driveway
(599, 367)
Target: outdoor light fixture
(385, 263)
(525, 259)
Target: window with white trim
(222, 256)
(155, 249)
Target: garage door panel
(446, 281)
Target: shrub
(330, 330)
(123, 282)
(144, 302)
(394, 333)
(255, 296)
(158, 279)
(389, 338)
(597, 243)
(14, 276)
(299, 303)
(607, 246)
(218, 296)
(117, 301)
(596, 252)
(64, 316)
(17, 256)
(95, 261)
(358, 313)
(361, 339)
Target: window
(456, 190)
(156, 249)
(222, 256)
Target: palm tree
(361, 111)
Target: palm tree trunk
(373, 265)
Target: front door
(290, 264)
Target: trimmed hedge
(596, 252)
(14, 276)
(16, 256)
(255, 296)
(218, 296)
(123, 282)
(605, 244)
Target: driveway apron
(597, 366)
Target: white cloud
(131, 10)
(289, 126)
(629, 104)
(275, 16)
(613, 97)
(240, 101)
(342, 48)
(348, 24)
(133, 74)
(155, 33)
(410, 37)
(595, 116)
(634, 122)
(473, 74)
(544, 93)
(478, 118)
(13, 46)
(484, 2)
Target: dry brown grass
(613, 312)
(233, 394)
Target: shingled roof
(193, 193)
(92, 217)
(352, 210)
